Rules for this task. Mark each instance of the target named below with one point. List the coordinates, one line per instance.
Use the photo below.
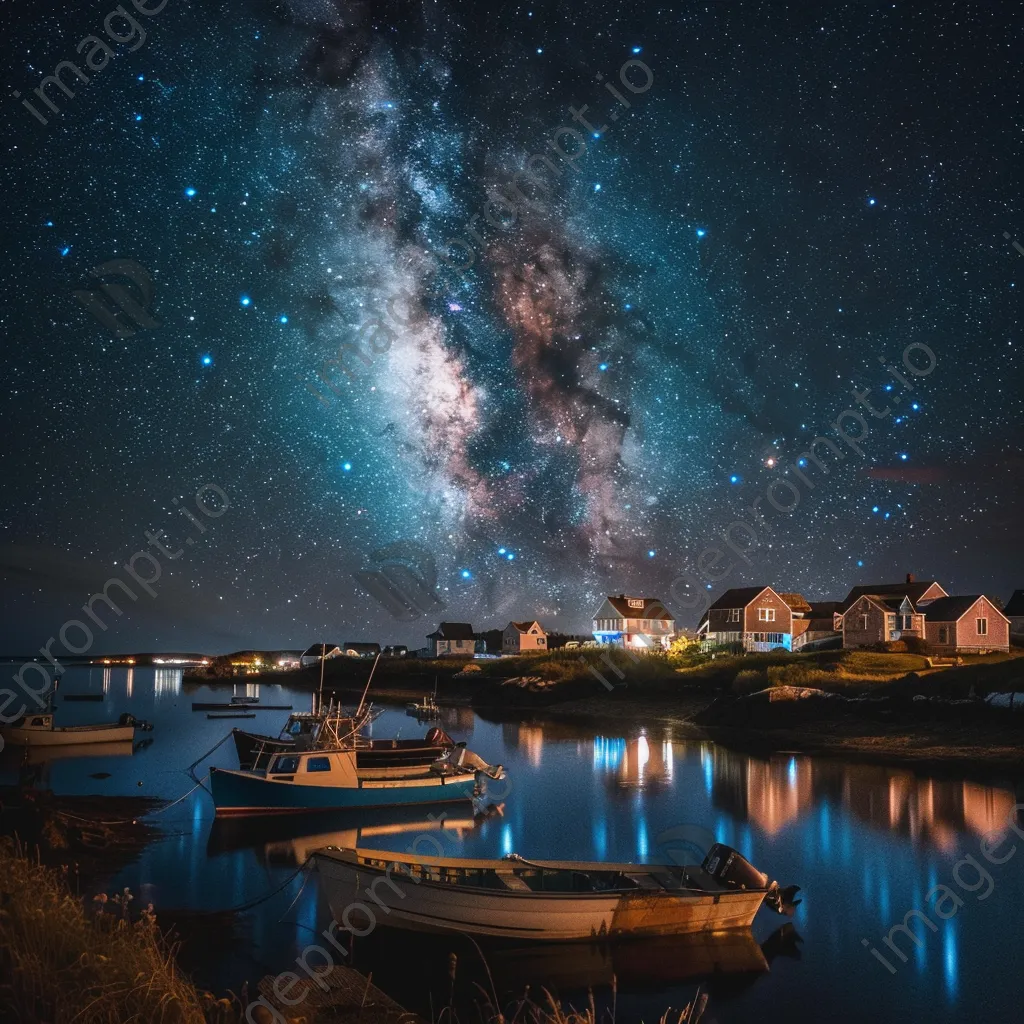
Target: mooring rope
(132, 821)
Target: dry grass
(64, 964)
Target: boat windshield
(287, 763)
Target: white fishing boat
(39, 731)
(546, 900)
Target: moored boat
(39, 731)
(546, 900)
(329, 780)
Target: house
(969, 624)
(879, 612)
(452, 638)
(1014, 611)
(874, 619)
(756, 617)
(312, 655)
(357, 649)
(523, 637)
(634, 622)
(396, 651)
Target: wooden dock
(351, 998)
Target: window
(943, 635)
(284, 764)
(890, 621)
(541, 641)
(765, 614)
(982, 627)
(734, 614)
(864, 623)
(908, 622)
(38, 722)
(318, 764)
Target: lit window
(864, 622)
(734, 614)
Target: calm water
(865, 843)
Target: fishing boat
(548, 900)
(39, 731)
(329, 780)
(425, 709)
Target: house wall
(854, 634)
(513, 640)
(1017, 625)
(962, 636)
(783, 615)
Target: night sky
(634, 353)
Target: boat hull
(410, 902)
(240, 793)
(69, 736)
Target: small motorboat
(425, 709)
(548, 900)
(321, 780)
(39, 731)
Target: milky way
(369, 337)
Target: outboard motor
(138, 723)
(727, 867)
(733, 871)
(437, 737)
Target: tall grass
(61, 963)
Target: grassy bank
(62, 963)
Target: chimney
(910, 577)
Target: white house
(523, 637)
(452, 638)
(642, 622)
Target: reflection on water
(865, 842)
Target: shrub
(749, 681)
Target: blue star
(283, 319)
(637, 49)
(138, 117)
(245, 300)
(603, 366)
(650, 554)
(904, 456)
(466, 574)
(887, 514)
(142, 78)
(510, 556)
(871, 202)
(701, 232)
(190, 192)
(597, 186)
(346, 466)
(65, 250)
(539, 50)
(734, 479)
(915, 407)
(49, 223)
(860, 563)
(207, 360)
(501, 551)
(874, 508)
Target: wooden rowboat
(39, 731)
(543, 900)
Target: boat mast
(359, 710)
(323, 658)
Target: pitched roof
(952, 609)
(452, 631)
(1015, 606)
(652, 608)
(796, 602)
(316, 650)
(737, 597)
(914, 590)
(524, 627)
